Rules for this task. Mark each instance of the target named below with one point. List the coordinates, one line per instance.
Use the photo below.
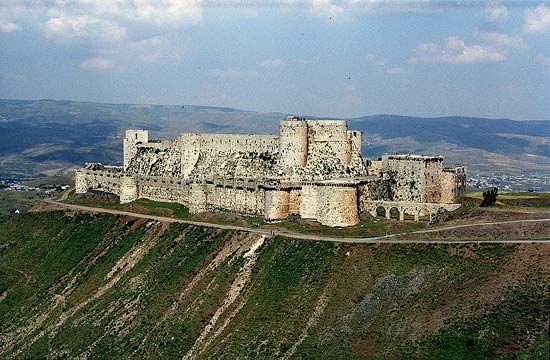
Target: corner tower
(132, 139)
(293, 142)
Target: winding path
(297, 235)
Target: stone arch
(394, 212)
(424, 213)
(381, 210)
(410, 212)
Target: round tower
(293, 142)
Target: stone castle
(313, 169)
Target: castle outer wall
(313, 169)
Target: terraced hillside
(103, 286)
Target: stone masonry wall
(356, 139)
(332, 135)
(128, 190)
(131, 140)
(212, 143)
(294, 201)
(415, 178)
(375, 167)
(276, 204)
(240, 200)
(104, 179)
(293, 143)
(433, 176)
(337, 206)
(453, 184)
(202, 196)
(309, 203)
(156, 159)
(406, 178)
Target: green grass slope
(102, 286)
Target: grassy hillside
(103, 286)
(10, 201)
(46, 137)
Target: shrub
(489, 197)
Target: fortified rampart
(313, 169)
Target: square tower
(132, 139)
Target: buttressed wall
(313, 169)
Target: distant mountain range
(46, 137)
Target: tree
(489, 197)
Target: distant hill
(46, 137)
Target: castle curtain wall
(313, 169)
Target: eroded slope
(96, 286)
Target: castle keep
(313, 169)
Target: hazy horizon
(274, 112)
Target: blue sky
(318, 57)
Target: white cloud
(156, 12)
(154, 49)
(537, 20)
(157, 49)
(150, 42)
(396, 71)
(97, 63)
(496, 12)
(83, 26)
(16, 15)
(233, 74)
(501, 39)
(395, 5)
(173, 12)
(114, 23)
(427, 48)
(350, 9)
(455, 51)
(347, 9)
(7, 27)
(328, 9)
(376, 60)
(272, 63)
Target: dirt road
(292, 234)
